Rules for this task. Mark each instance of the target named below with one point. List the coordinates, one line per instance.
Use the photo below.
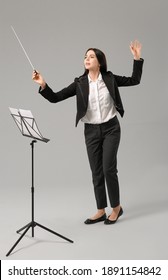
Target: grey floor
(141, 233)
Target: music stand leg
(56, 233)
(18, 240)
(32, 224)
(23, 228)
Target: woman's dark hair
(101, 59)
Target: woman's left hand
(135, 48)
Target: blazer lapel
(114, 92)
(109, 81)
(84, 89)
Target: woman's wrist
(43, 85)
(136, 57)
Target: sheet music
(26, 113)
(16, 116)
(14, 111)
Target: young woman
(98, 104)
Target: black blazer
(80, 88)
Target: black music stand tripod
(28, 127)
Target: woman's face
(91, 62)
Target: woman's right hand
(36, 76)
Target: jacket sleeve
(61, 95)
(135, 79)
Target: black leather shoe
(109, 222)
(91, 221)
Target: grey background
(56, 35)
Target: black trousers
(102, 142)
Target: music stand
(28, 127)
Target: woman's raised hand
(135, 48)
